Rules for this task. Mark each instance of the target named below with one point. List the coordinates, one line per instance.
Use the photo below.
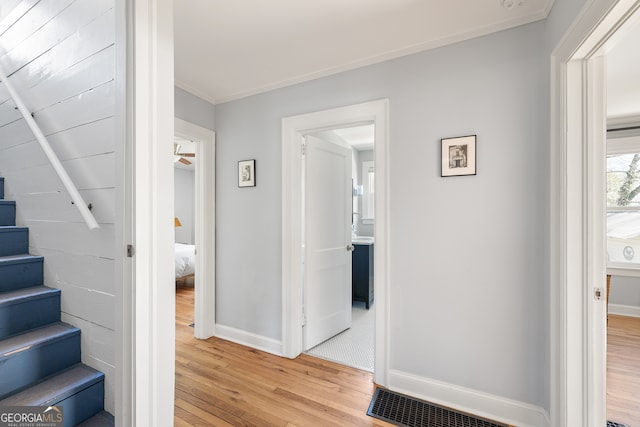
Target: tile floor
(353, 347)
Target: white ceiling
(358, 137)
(229, 49)
(623, 73)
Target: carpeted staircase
(39, 355)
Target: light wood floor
(623, 370)
(219, 383)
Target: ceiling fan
(180, 157)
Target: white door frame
(205, 209)
(293, 129)
(148, 307)
(125, 362)
(578, 133)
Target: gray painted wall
(468, 254)
(562, 15)
(193, 109)
(625, 291)
(190, 108)
(184, 186)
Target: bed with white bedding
(185, 261)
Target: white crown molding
(409, 50)
(193, 91)
(548, 8)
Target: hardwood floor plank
(332, 409)
(223, 383)
(198, 411)
(220, 383)
(261, 372)
(226, 384)
(179, 422)
(623, 370)
(234, 392)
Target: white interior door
(327, 292)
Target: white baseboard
(471, 401)
(250, 340)
(624, 310)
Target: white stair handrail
(51, 155)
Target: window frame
(625, 143)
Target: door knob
(351, 248)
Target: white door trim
(205, 209)
(577, 265)
(293, 128)
(125, 361)
(150, 130)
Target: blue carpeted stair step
(101, 419)
(28, 358)
(15, 240)
(29, 308)
(39, 355)
(7, 212)
(20, 271)
(79, 390)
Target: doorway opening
(194, 150)
(623, 225)
(351, 340)
(578, 261)
(184, 172)
(293, 131)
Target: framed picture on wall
(247, 173)
(458, 156)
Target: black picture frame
(458, 156)
(247, 173)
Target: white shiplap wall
(60, 56)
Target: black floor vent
(403, 410)
(613, 424)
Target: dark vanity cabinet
(362, 273)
